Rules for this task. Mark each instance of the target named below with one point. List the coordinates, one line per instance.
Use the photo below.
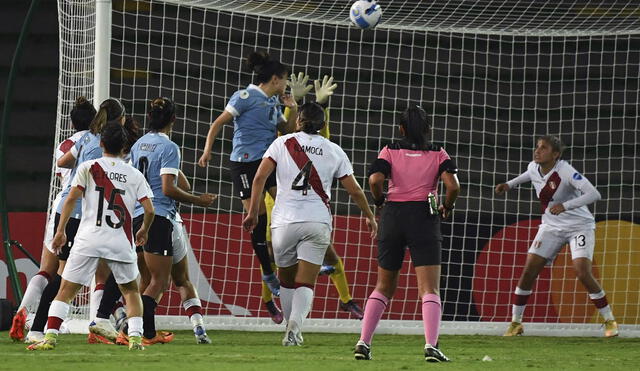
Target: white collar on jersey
(161, 134)
(256, 87)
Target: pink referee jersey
(414, 173)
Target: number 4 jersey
(306, 166)
(111, 189)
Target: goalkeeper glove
(298, 86)
(325, 89)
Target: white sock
(605, 312)
(135, 326)
(59, 310)
(32, 295)
(94, 303)
(196, 318)
(301, 305)
(518, 310)
(286, 299)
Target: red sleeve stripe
(80, 187)
(272, 160)
(143, 199)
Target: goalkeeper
(332, 263)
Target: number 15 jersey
(306, 166)
(111, 189)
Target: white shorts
(80, 269)
(549, 241)
(306, 241)
(48, 231)
(180, 241)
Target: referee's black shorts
(242, 174)
(160, 241)
(408, 224)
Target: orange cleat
(162, 337)
(122, 339)
(17, 326)
(97, 339)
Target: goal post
(492, 77)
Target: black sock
(259, 242)
(149, 316)
(109, 298)
(48, 294)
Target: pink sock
(376, 305)
(431, 314)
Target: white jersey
(306, 166)
(562, 185)
(64, 147)
(111, 189)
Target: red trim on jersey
(272, 160)
(301, 159)
(65, 146)
(80, 187)
(99, 176)
(344, 176)
(143, 199)
(59, 174)
(546, 194)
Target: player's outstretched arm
(504, 187)
(61, 238)
(351, 185)
(142, 234)
(67, 161)
(324, 90)
(289, 126)
(452, 186)
(214, 129)
(170, 189)
(267, 166)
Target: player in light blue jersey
(257, 116)
(85, 149)
(158, 158)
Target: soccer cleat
(274, 312)
(104, 329)
(34, 337)
(97, 339)
(17, 326)
(352, 308)
(293, 336)
(135, 343)
(201, 335)
(122, 339)
(273, 283)
(362, 351)
(326, 270)
(515, 329)
(162, 337)
(610, 328)
(48, 343)
(121, 318)
(433, 354)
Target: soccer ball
(365, 14)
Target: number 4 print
(304, 175)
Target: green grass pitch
(236, 350)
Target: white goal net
(492, 75)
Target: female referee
(410, 219)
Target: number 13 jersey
(306, 166)
(111, 189)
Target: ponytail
(162, 113)
(111, 109)
(416, 127)
(265, 67)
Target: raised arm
(355, 191)
(224, 118)
(522, 178)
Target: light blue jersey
(255, 121)
(87, 148)
(155, 155)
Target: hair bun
(81, 100)
(257, 60)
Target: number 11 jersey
(111, 189)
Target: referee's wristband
(380, 201)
